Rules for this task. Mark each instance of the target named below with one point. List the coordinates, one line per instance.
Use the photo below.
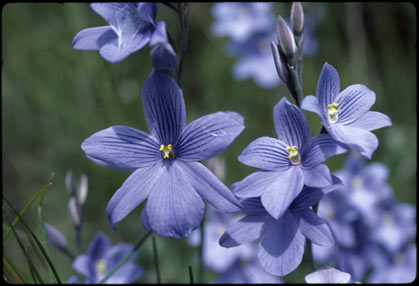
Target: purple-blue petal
(290, 124)
(164, 107)
(159, 35)
(328, 86)
(164, 57)
(278, 197)
(266, 153)
(98, 246)
(245, 230)
(93, 38)
(307, 198)
(353, 102)
(257, 184)
(328, 275)
(362, 141)
(82, 264)
(319, 149)
(127, 274)
(147, 11)
(106, 10)
(55, 237)
(122, 147)
(281, 247)
(133, 192)
(312, 104)
(371, 120)
(314, 228)
(209, 187)
(174, 208)
(209, 135)
(317, 177)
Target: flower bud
(82, 190)
(280, 63)
(297, 18)
(73, 211)
(55, 237)
(69, 183)
(286, 38)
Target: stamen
(101, 267)
(294, 155)
(332, 112)
(167, 151)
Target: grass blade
(15, 268)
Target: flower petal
(209, 135)
(174, 208)
(164, 107)
(106, 10)
(307, 198)
(164, 57)
(317, 177)
(278, 198)
(353, 102)
(290, 124)
(282, 245)
(209, 187)
(127, 274)
(319, 149)
(147, 11)
(266, 153)
(312, 104)
(362, 141)
(315, 228)
(98, 246)
(328, 275)
(328, 86)
(372, 120)
(256, 183)
(245, 230)
(93, 38)
(133, 192)
(83, 265)
(122, 147)
(55, 237)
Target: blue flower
(328, 275)
(282, 240)
(288, 163)
(131, 27)
(346, 115)
(102, 257)
(165, 163)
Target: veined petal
(117, 252)
(98, 246)
(281, 247)
(245, 230)
(317, 177)
(371, 120)
(319, 149)
(164, 107)
(312, 104)
(277, 198)
(164, 57)
(122, 147)
(209, 135)
(126, 274)
(106, 10)
(314, 228)
(266, 153)
(147, 11)
(93, 38)
(174, 208)
(257, 183)
(159, 34)
(83, 265)
(209, 187)
(114, 51)
(362, 141)
(353, 102)
(307, 198)
(328, 86)
(290, 124)
(134, 191)
(328, 275)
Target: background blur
(53, 97)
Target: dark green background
(53, 97)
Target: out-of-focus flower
(101, 258)
(288, 163)
(165, 163)
(345, 114)
(56, 238)
(328, 275)
(282, 240)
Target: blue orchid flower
(131, 27)
(101, 258)
(165, 163)
(345, 114)
(282, 240)
(328, 275)
(288, 163)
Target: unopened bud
(69, 183)
(55, 237)
(280, 63)
(82, 190)
(73, 211)
(297, 18)
(286, 38)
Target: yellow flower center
(332, 112)
(167, 151)
(294, 156)
(101, 267)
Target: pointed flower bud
(82, 190)
(297, 18)
(280, 63)
(69, 183)
(286, 38)
(74, 213)
(55, 237)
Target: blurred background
(53, 97)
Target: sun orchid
(165, 163)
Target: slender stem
(201, 254)
(183, 13)
(77, 235)
(169, 5)
(156, 260)
(125, 259)
(190, 275)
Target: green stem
(201, 254)
(125, 259)
(190, 275)
(183, 13)
(156, 260)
